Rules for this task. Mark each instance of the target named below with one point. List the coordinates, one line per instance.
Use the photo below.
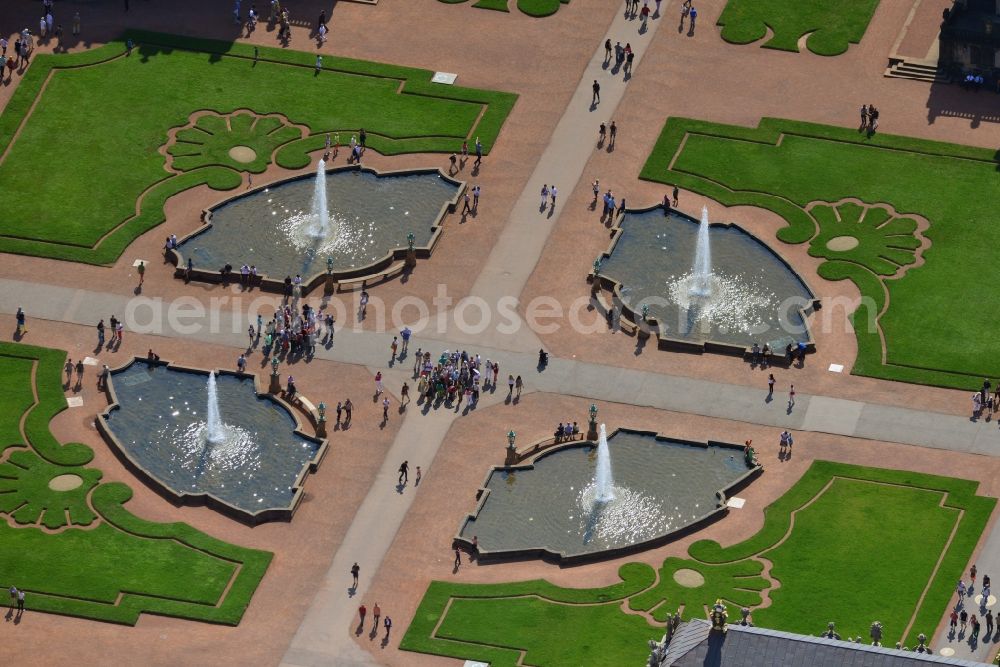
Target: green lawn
(938, 320)
(832, 25)
(80, 552)
(818, 561)
(536, 8)
(865, 545)
(111, 118)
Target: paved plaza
(890, 467)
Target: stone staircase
(915, 71)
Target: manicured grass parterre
(79, 552)
(831, 26)
(933, 332)
(866, 544)
(110, 112)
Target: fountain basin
(156, 424)
(755, 295)
(664, 488)
(374, 212)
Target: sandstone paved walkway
(988, 563)
(322, 637)
(527, 229)
(589, 381)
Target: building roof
(694, 645)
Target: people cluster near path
(456, 161)
(567, 431)
(376, 615)
(869, 119)
(984, 401)
(607, 131)
(294, 332)
(456, 376)
(959, 614)
(16, 599)
(24, 46)
(973, 81)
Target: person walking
(466, 206)
(319, 64)
(518, 385)
(770, 385)
(405, 335)
(376, 615)
(989, 622)
(79, 372)
(385, 410)
(552, 193)
(458, 558)
(607, 51)
(393, 347)
(378, 383)
(241, 363)
(13, 596)
(76, 23)
(545, 196)
(388, 626)
(362, 610)
(21, 321)
(404, 394)
(404, 470)
(791, 397)
(612, 133)
(596, 99)
(355, 570)
(20, 601)
(479, 152)
(348, 409)
(142, 271)
(510, 386)
(100, 334)
(963, 617)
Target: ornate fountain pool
(755, 296)
(251, 469)
(661, 486)
(370, 215)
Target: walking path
(988, 563)
(322, 638)
(527, 229)
(589, 381)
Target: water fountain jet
(215, 432)
(320, 227)
(604, 485)
(701, 272)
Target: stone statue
(745, 611)
(719, 615)
(923, 647)
(657, 650)
(876, 633)
(830, 632)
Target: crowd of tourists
(458, 376)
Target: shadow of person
(374, 633)
(691, 30)
(385, 641)
(352, 590)
(593, 105)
